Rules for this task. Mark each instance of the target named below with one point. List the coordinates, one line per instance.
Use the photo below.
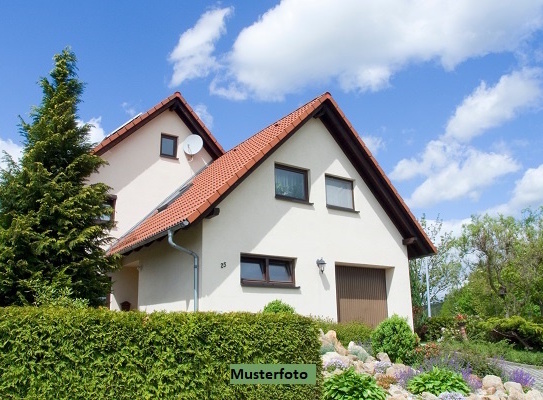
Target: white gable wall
(252, 221)
(140, 177)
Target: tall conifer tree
(49, 228)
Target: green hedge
(55, 353)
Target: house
(301, 211)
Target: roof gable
(224, 174)
(175, 103)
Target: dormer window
(168, 146)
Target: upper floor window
(291, 183)
(339, 193)
(267, 271)
(110, 216)
(168, 145)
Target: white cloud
(359, 44)
(463, 177)
(437, 155)
(204, 115)
(192, 57)
(13, 149)
(129, 109)
(451, 167)
(374, 143)
(488, 107)
(528, 192)
(96, 132)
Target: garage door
(361, 294)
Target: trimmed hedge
(56, 353)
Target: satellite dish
(192, 144)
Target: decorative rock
(473, 396)
(383, 357)
(533, 395)
(492, 381)
(369, 368)
(509, 386)
(516, 395)
(330, 338)
(428, 396)
(396, 369)
(491, 397)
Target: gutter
(196, 264)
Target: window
(291, 183)
(109, 217)
(168, 146)
(339, 193)
(267, 271)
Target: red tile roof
(224, 174)
(176, 103)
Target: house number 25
(223, 264)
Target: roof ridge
(132, 125)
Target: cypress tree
(50, 233)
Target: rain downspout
(195, 256)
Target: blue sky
(448, 95)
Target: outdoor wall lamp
(321, 264)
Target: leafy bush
(65, 353)
(277, 306)
(437, 381)
(394, 337)
(346, 332)
(432, 327)
(517, 330)
(350, 385)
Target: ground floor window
(267, 271)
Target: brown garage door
(361, 294)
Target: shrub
(394, 337)
(465, 361)
(350, 385)
(437, 381)
(277, 306)
(517, 330)
(433, 327)
(385, 381)
(346, 332)
(65, 353)
(326, 348)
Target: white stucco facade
(253, 221)
(140, 177)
